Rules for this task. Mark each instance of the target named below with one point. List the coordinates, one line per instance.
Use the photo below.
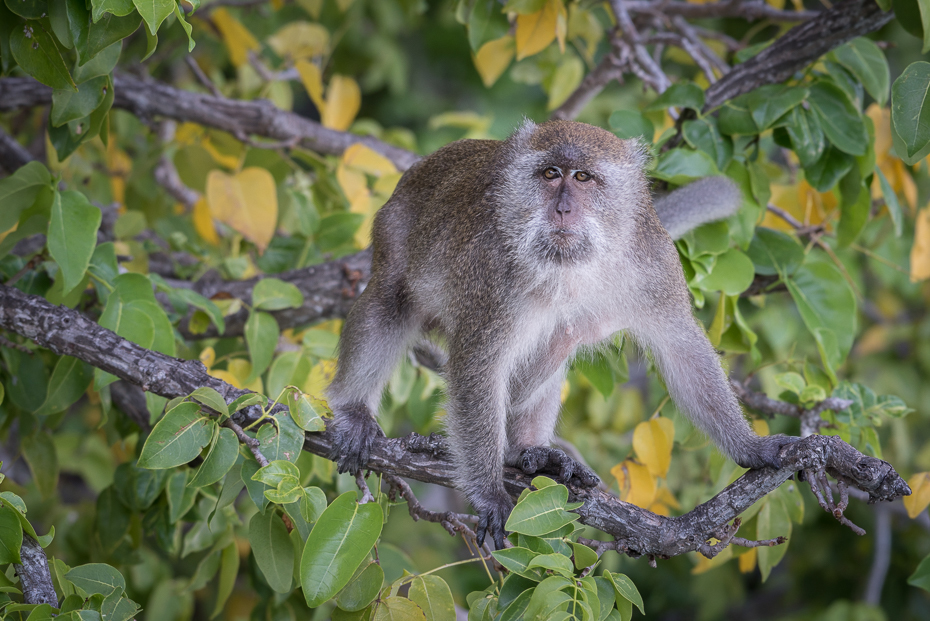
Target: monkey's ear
(637, 150)
(522, 135)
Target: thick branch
(149, 99)
(798, 48)
(728, 8)
(34, 575)
(12, 154)
(67, 332)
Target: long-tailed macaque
(519, 253)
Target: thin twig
(252, 443)
(201, 76)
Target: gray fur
(519, 253)
(699, 202)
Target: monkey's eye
(582, 176)
(552, 173)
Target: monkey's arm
(705, 200)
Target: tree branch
(67, 332)
(34, 575)
(799, 47)
(148, 99)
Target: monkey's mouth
(562, 245)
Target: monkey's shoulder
(456, 168)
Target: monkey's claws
(556, 462)
(355, 431)
(492, 516)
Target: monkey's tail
(705, 200)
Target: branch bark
(67, 332)
(799, 47)
(34, 574)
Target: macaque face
(567, 194)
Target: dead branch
(67, 332)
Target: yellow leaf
(920, 494)
(747, 561)
(331, 325)
(706, 564)
(246, 201)
(566, 388)
(362, 158)
(776, 4)
(565, 80)
(760, 426)
(320, 376)
(343, 99)
(653, 446)
(493, 59)
(637, 486)
(223, 154)
(312, 80)
(239, 41)
(188, 133)
(241, 369)
(203, 222)
(386, 184)
(561, 23)
(119, 165)
(352, 182)
(208, 357)
(300, 40)
(920, 251)
(312, 7)
(537, 30)
(227, 377)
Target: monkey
(520, 253)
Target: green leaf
(304, 413)
(72, 235)
(219, 460)
(70, 105)
(101, 65)
(839, 118)
(680, 95)
(553, 562)
(276, 471)
(433, 596)
(517, 560)
(827, 305)
(769, 103)
(584, 556)
(97, 578)
(29, 379)
(337, 545)
(891, 202)
(11, 535)
(704, 135)
(854, 213)
(626, 589)
(338, 228)
(272, 549)
(866, 61)
(137, 487)
(37, 53)
(113, 518)
(30, 9)
(397, 608)
(681, 166)
(362, 589)
(732, 273)
(177, 438)
(565, 80)
(773, 252)
(68, 383)
(261, 335)
(485, 23)
(186, 26)
(806, 135)
(40, 454)
(107, 30)
(282, 441)
(182, 296)
(18, 192)
(772, 521)
(229, 569)
(921, 576)
(273, 294)
(291, 368)
(180, 495)
(541, 512)
(212, 399)
(631, 124)
(255, 488)
(829, 169)
(735, 118)
(154, 12)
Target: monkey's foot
(553, 461)
(355, 431)
(763, 452)
(492, 515)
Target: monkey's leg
(696, 382)
(476, 423)
(375, 335)
(530, 430)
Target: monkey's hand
(548, 460)
(492, 515)
(763, 452)
(355, 431)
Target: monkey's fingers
(354, 437)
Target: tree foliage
(199, 181)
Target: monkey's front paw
(764, 452)
(566, 470)
(492, 515)
(355, 431)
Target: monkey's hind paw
(492, 515)
(765, 452)
(553, 461)
(354, 434)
